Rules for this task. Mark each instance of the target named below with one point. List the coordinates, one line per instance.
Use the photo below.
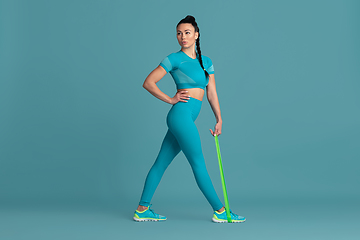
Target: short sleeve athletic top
(186, 71)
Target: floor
(266, 219)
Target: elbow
(145, 85)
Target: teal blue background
(78, 133)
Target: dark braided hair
(190, 19)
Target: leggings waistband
(192, 102)
(192, 107)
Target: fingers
(185, 95)
(184, 99)
(218, 129)
(217, 132)
(182, 96)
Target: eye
(187, 32)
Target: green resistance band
(227, 209)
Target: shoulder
(174, 55)
(174, 58)
(208, 64)
(170, 62)
(206, 60)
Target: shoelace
(155, 214)
(233, 215)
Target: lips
(184, 42)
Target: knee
(159, 166)
(198, 164)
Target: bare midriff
(197, 93)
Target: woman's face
(186, 35)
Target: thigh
(168, 151)
(186, 133)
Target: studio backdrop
(76, 126)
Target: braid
(200, 58)
(191, 19)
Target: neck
(189, 51)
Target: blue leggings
(181, 135)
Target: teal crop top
(186, 71)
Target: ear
(196, 35)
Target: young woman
(192, 73)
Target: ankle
(221, 210)
(141, 208)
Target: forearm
(215, 106)
(156, 92)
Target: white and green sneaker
(147, 215)
(220, 217)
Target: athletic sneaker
(221, 217)
(147, 215)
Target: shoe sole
(148, 219)
(225, 221)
